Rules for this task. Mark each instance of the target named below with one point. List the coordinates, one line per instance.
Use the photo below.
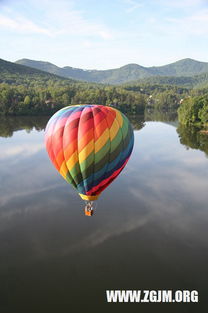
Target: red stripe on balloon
(69, 136)
(84, 127)
(49, 149)
(57, 141)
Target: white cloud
(194, 24)
(87, 43)
(109, 231)
(59, 18)
(183, 3)
(105, 34)
(132, 5)
(23, 25)
(23, 149)
(72, 22)
(82, 35)
(34, 190)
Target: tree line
(22, 99)
(43, 94)
(49, 96)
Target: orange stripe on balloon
(110, 117)
(70, 149)
(60, 158)
(101, 127)
(63, 170)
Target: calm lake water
(149, 231)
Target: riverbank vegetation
(192, 137)
(194, 111)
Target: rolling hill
(195, 81)
(18, 74)
(131, 72)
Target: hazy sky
(104, 34)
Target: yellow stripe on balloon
(114, 129)
(101, 141)
(89, 198)
(72, 161)
(63, 170)
(108, 134)
(119, 118)
(86, 151)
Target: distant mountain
(185, 67)
(195, 81)
(13, 73)
(13, 68)
(127, 73)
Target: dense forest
(21, 99)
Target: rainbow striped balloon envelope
(89, 145)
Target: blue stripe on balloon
(96, 178)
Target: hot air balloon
(89, 145)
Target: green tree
(203, 114)
(193, 110)
(27, 101)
